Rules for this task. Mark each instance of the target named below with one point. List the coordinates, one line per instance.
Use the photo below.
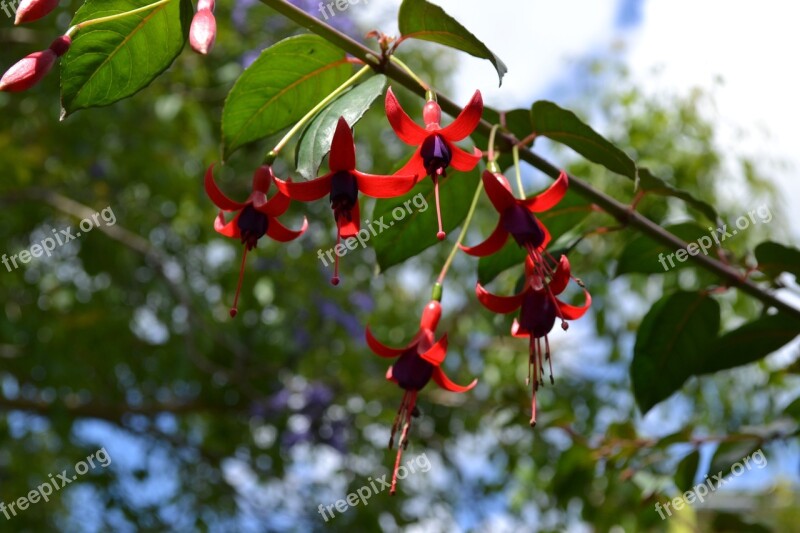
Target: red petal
(380, 349)
(498, 304)
(573, 312)
(444, 382)
(306, 191)
(463, 161)
(550, 197)
(467, 120)
(350, 228)
(498, 190)
(30, 10)
(231, 229)
(547, 236)
(406, 129)
(281, 233)
(436, 353)
(216, 195)
(28, 71)
(275, 206)
(384, 186)
(343, 148)
(414, 167)
(491, 245)
(560, 276)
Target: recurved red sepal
(30, 10)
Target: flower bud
(29, 70)
(30, 10)
(203, 31)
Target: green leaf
(286, 81)
(675, 334)
(750, 342)
(729, 453)
(417, 231)
(774, 259)
(685, 473)
(643, 255)
(570, 212)
(419, 19)
(655, 185)
(793, 409)
(116, 59)
(563, 126)
(316, 140)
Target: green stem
(515, 153)
(610, 205)
(270, 158)
(86, 23)
(414, 76)
(464, 228)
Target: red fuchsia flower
(203, 31)
(436, 145)
(343, 183)
(539, 309)
(254, 218)
(30, 10)
(29, 70)
(517, 217)
(417, 363)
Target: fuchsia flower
(517, 216)
(29, 70)
(30, 10)
(539, 309)
(436, 145)
(417, 363)
(343, 183)
(203, 31)
(254, 218)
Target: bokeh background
(121, 340)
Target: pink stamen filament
(235, 308)
(441, 234)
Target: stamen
(234, 310)
(335, 279)
(397, 419)
(441, 234)
(409, 399)
(549, 359)
(533, 409)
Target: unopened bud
(29, 70)
(203, 31)
(30, 10)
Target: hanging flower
(343, 183)
(31, 10)
(203, 30)
(254, 218)
(416, 365)
(29, 70)
(517, 217)
(539, 309)
(436, 150)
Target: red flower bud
(203, 31)
(30, 10)
(28, 71)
